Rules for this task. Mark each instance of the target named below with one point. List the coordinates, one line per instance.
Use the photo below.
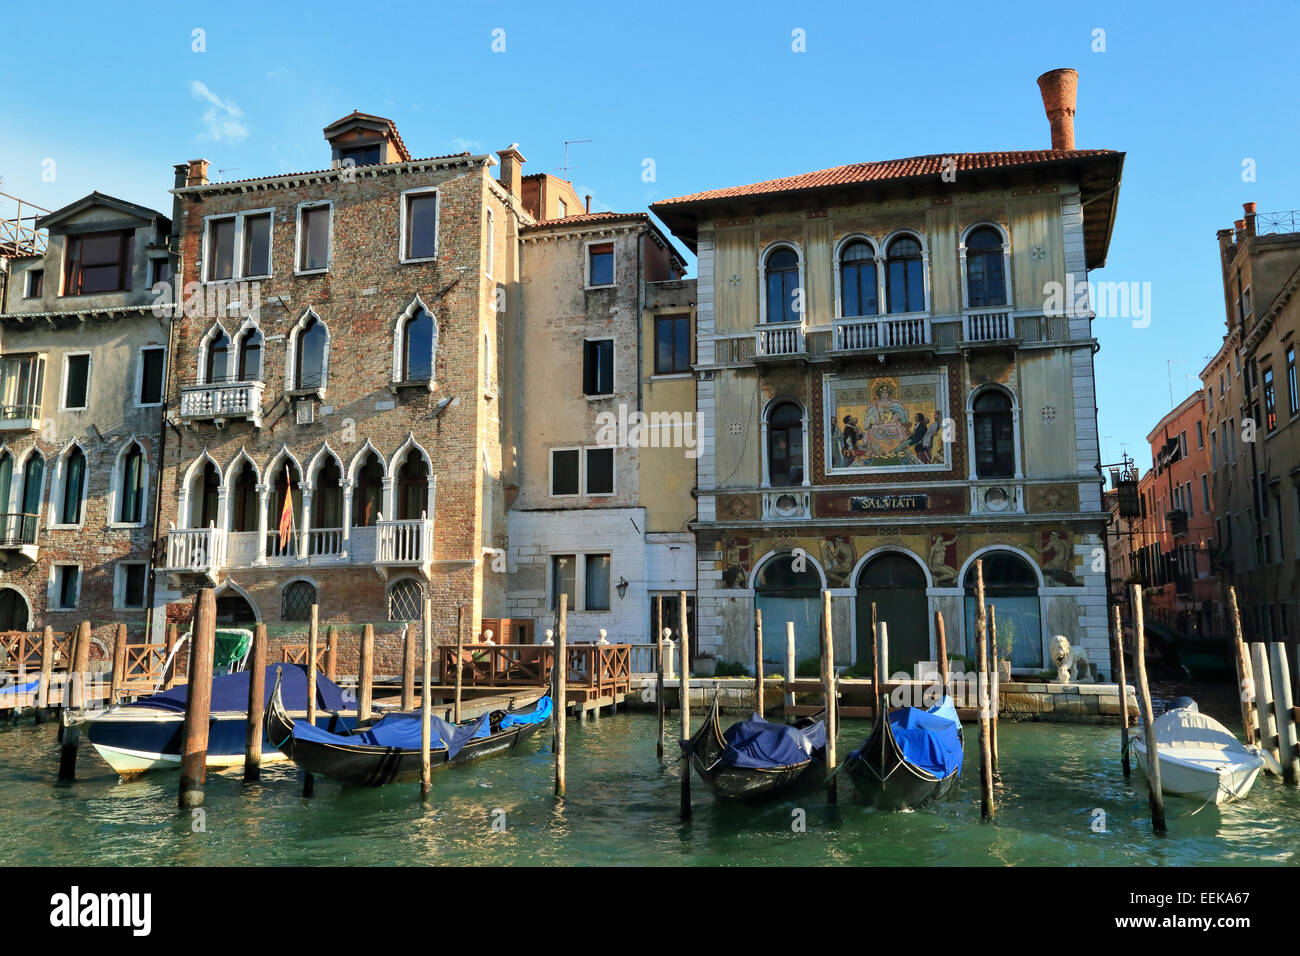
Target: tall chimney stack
(1060, 89)
(1249, 208)
(512, 162)
(197, 172)
(588, 197)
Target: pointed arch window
(250, 355)
(283, 523)
(217, 360)
(412, 487)
(72, 487)
(417, 347)
(130, 508)
(368, 493)
(311, 350)
(781, 275)
(327, 500)
(986, 281)
(243, 501)
(858, 288)
(205, 494)
(905, 274)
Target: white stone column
(263, 492)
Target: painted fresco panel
(886, 423)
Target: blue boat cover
(401, 732)
(230, 692)
(760, 744)
(27, 688)
(929, 739)
(541, 710)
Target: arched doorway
(1011, 586)
(896, 584)
(13, 611)
(233, 610)
(783, 594)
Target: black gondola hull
(884, 779)
(748, 784)
(365, 765)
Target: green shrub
(730, 669)
(808, 667)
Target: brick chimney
(1249, 208)
(588, 204)
(197, 173)
(1059, 89)
(512, 162)
(1240, 229)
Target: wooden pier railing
(498, 665)
(21, 651)
(297, 654)
(598, 670)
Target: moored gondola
(388, 751)
(913, 756)
(756, 760)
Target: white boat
(1199, 757)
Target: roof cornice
(325, 176)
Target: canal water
(1062, 800)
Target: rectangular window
(67, 583)
(564, 208)
(313, 238)
(257, 245)
(130, 584)
(360, 155)
(1214, 450)
(1205, 493)
(99, 262)
(1209, 399)
(160, 270)
(76, 380)
(421, 212)
(600, 471)
(1182, 444)
(1292, 399)
(35, 283)
(1187, 499)
(596, 589)
(564, 580)
(1200, 435)
(598, 367)
(221, 249)
(22, 381)
(672, 344)
(565, 463)
(600, 264)
(151, 376)
(1270, 400)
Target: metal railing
(20, 416)
(1277, 223)
(18, 530)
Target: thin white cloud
(462, 145)
(223, 121)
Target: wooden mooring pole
(1283, 715)
(987, 807)
(559, 706)
(1118, 645)
(119, 664)
(47, 672)
(790, 663)
(460, 662)
(198, 700)
(426, 700)
(758, 661)
(832, 705)
(1245, 679)
(256, 706)
(1148, 715)
(169, 678)
(876, 689)
(660, 634)
(73, 699)
(996, 675)
(941, 641)
(408, 669)
(332, 653)
(684, 686)
(313, 645)
(1264, 699)
(366, 674)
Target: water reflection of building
(887, 398)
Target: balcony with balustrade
(195, 551)
(19, 535)
(220, 402)
(780, 341)
(882, 333)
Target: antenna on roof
(228, 169)
(566, 167)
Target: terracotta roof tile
(913, 166)
(322, 172)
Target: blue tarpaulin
(541, 710)
(929, 739)
(401, 732)
(758, 743)
(230, 692)
(26, 688)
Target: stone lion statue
(1061, 656)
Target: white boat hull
(1203, 776)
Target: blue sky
(714, 94)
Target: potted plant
(704, 665)
(1006, 641)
